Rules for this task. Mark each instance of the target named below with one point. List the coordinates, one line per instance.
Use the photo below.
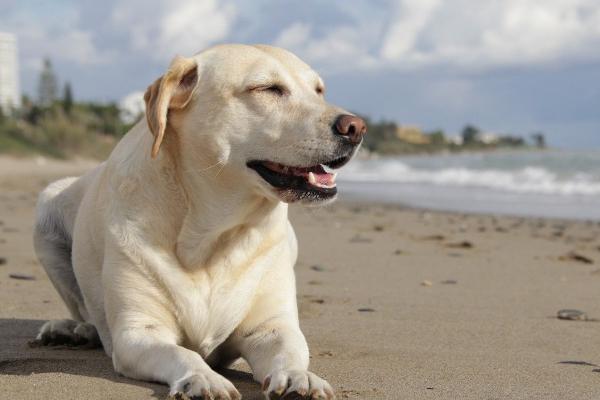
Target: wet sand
(395, 303)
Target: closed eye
(276, 89)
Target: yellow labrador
(176, 254)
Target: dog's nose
(352, 127)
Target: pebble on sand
(426, 283)
(449, 282)
(22, 277)
(461, 245)
(573, 256)
(360, 239)
(572, 315)
(2, 260)
(434, 237)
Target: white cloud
(341, 47)
(410, 20)
(294, 35)
(459, 33)
(61, 39)
(171, 27)
(512, 32)
(132, 106)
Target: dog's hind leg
(52, 241)
(67, 332)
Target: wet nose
(353, 127)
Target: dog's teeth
(327, 169)
(333, 176)
(311, 178)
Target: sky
(507, 66)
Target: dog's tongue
(321, 177)
(315, 175)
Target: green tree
(469, 134)
(67, 102)
(437, 137)
(539, 140)
(48, 84)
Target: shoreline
(13, 169)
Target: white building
(10, 93)
(487, 138)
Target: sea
(544, 183)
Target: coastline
(395, 302)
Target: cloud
(411, 18)
(508, 33)
(63, 38)
(340, 46)
(456, 33)
(173, 27)
(132, 106)
(75, 46)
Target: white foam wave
(530, 179)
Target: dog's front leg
(152, 353)
(146, 333)
(278, 354)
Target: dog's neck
(221, 222)
(224, 218)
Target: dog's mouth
(316, 182)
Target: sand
(395, 303)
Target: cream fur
(185, 261)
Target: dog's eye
(319, 90)
(275, 89)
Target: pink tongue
(322, 177)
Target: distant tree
(48, 84)
(67, 102)
(511, 141)
(26, 101)
(437, 137)
(539, 140)
(469, 134)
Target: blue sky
(507, 65)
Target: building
(412, 134)
(10, 93)
(487, 138)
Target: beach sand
(395, 303)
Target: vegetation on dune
(87, 130)
(60, 127)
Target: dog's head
(255, 117)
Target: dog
(176, 254)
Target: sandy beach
(396, 303)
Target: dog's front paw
(204, 386)
(295, 384)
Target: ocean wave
(528, 179)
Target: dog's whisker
(201, 170)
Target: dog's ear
(171, 91)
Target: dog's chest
(214, 306)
